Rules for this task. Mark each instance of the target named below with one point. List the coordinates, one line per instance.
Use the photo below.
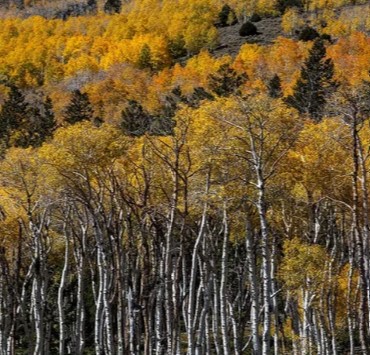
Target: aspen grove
(162, 192)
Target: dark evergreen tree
(28, 134)
(92, 6)
(39, 125)
(308, 34)
(79, 109)
(98, 121)
(283, 5)
(315, 83)
(248, 29)
(162, 125)
(255, 18)
(112, 6)
(13, 114)
(226, 17)
(274, 87)
(171, 102)
(226, 81)
(47, 124)
(176, 47)
(145, 58)
(135, 120)
(199, 94)
(19, 4)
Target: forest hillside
(184, 177)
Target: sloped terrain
(230, 40)
(269, 29)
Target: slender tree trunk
(98, 335)
(62, 327)
(252, 275)
(223, 282)
(266, 265)
(192, 280)
(358, 237)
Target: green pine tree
(315, 84)
(45, 124)
(227, 16)
(135, 120)
(274, 87)
(28, 133)
(226, 81)
(79, 109)
(112, 6)
(145, 58)
(92, 6)
(13, 114)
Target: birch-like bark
(37, 288)
(223, 281)
(62, 327)
(192, 280)
(254, 288)
(266, 264)
(358, 237)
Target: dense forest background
(184, 177)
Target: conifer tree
(199, 94)
(28, 134)
(226, 81)
(227, 16)
(274, 87)
(13, 113)
(92, 6)
(176, 47)
(47, 123)
(162, 125)
(145, 58)
(79, 109)
(315, 83)
(283, 5)
(135, 120)
(112, 6)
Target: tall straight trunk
(223, 282)
(235, 330)
(16, 295)
(131, 321)
(215, 314)
(358, 237)
(252, 276)
(366, 223)
(274, 297)
(192, 280)
(80, 255)
(62, 327)
(205, 286)
(120, 296)
(110, 347)
(266, 264)
(349, 300)
(158, 326)
(168, 284)
(37, 285)
(103, 316)
(80, 307)
(98, 326)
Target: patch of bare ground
(230, 40)
(268, 30)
